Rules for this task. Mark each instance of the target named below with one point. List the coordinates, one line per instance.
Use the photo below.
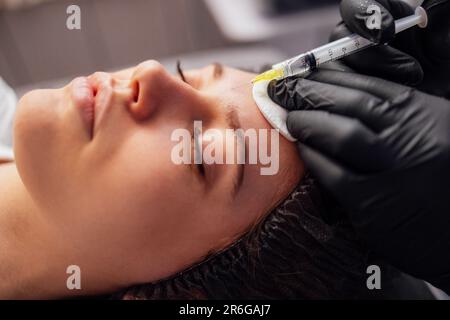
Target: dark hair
(291, 254)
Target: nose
(150, 83)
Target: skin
(113, 202)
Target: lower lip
(83, 97)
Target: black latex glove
(418, 57)
(383, 151)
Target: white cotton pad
(273, 113)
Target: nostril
(135, 88)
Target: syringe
(304, 63)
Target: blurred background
(37, 49)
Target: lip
(92, 95)
(83, 96)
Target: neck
(29, 252)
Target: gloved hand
(417, 57)
(383, 150)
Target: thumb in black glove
(383, 150)
(418, 57)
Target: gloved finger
(348, 187)
(382, 61)
(331, 175)
(374, 20)
(305, 94)
(341, 138)
(328, 172)
(383, 89)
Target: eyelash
(180, 71)
(200, 167)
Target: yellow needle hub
(269, 75)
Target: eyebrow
(233, 122)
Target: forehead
(234, 87)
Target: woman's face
(95, 157)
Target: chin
(35, 130)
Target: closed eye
(198, 150)
(180, 72)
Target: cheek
(141, 180)
(144, 200)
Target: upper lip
(102, 87)
(83, 96)
(92, 96)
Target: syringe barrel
(351, 44)
(335, 50)
(306, 62)
(340, 48)
(300, 65)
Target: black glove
(383, 151)
(418, 57)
